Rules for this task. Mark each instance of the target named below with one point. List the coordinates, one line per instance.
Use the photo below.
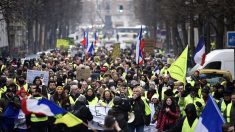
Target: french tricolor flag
(84, 42)
(90, 49)
(200, 53)
(139, 49)
(211, 119)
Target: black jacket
(139, 111)
(121, 116)
(84, 113)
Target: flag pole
(138, 65)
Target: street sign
(231, 39)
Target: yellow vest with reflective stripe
(187, 128)
(34, 118)
(227, 112)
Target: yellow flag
(69, 119)
(178, 69)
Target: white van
(222, 59)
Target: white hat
(155, 96)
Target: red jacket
(167, 119)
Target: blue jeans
(132, 128)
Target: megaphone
(131, 117)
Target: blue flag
(211, 119)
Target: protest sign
(31, 74)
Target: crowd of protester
(118, 83)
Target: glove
(199, 104)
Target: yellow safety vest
(74, 66)
(3, 67)
(146, 106)
(25, 87)
(130, 92)
(163, 71)
(72, 102)
(104, 104)
(192, 83)
(188, 99)
(187, 128)
(34, 118)
(145, 94)
(162, 93)
(124, 75)
(3, 90)
(226, 113)
(93, 102)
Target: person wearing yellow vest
(91, 97)
(232, 112)
(187, 123)
(106, 99)
(21, 83)
(61, 99)
(2, 66)
(74, 94)
(191, 98)
(51, 89)
(225, 105)
(164, 71)
(3, 87)
(39, 123)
